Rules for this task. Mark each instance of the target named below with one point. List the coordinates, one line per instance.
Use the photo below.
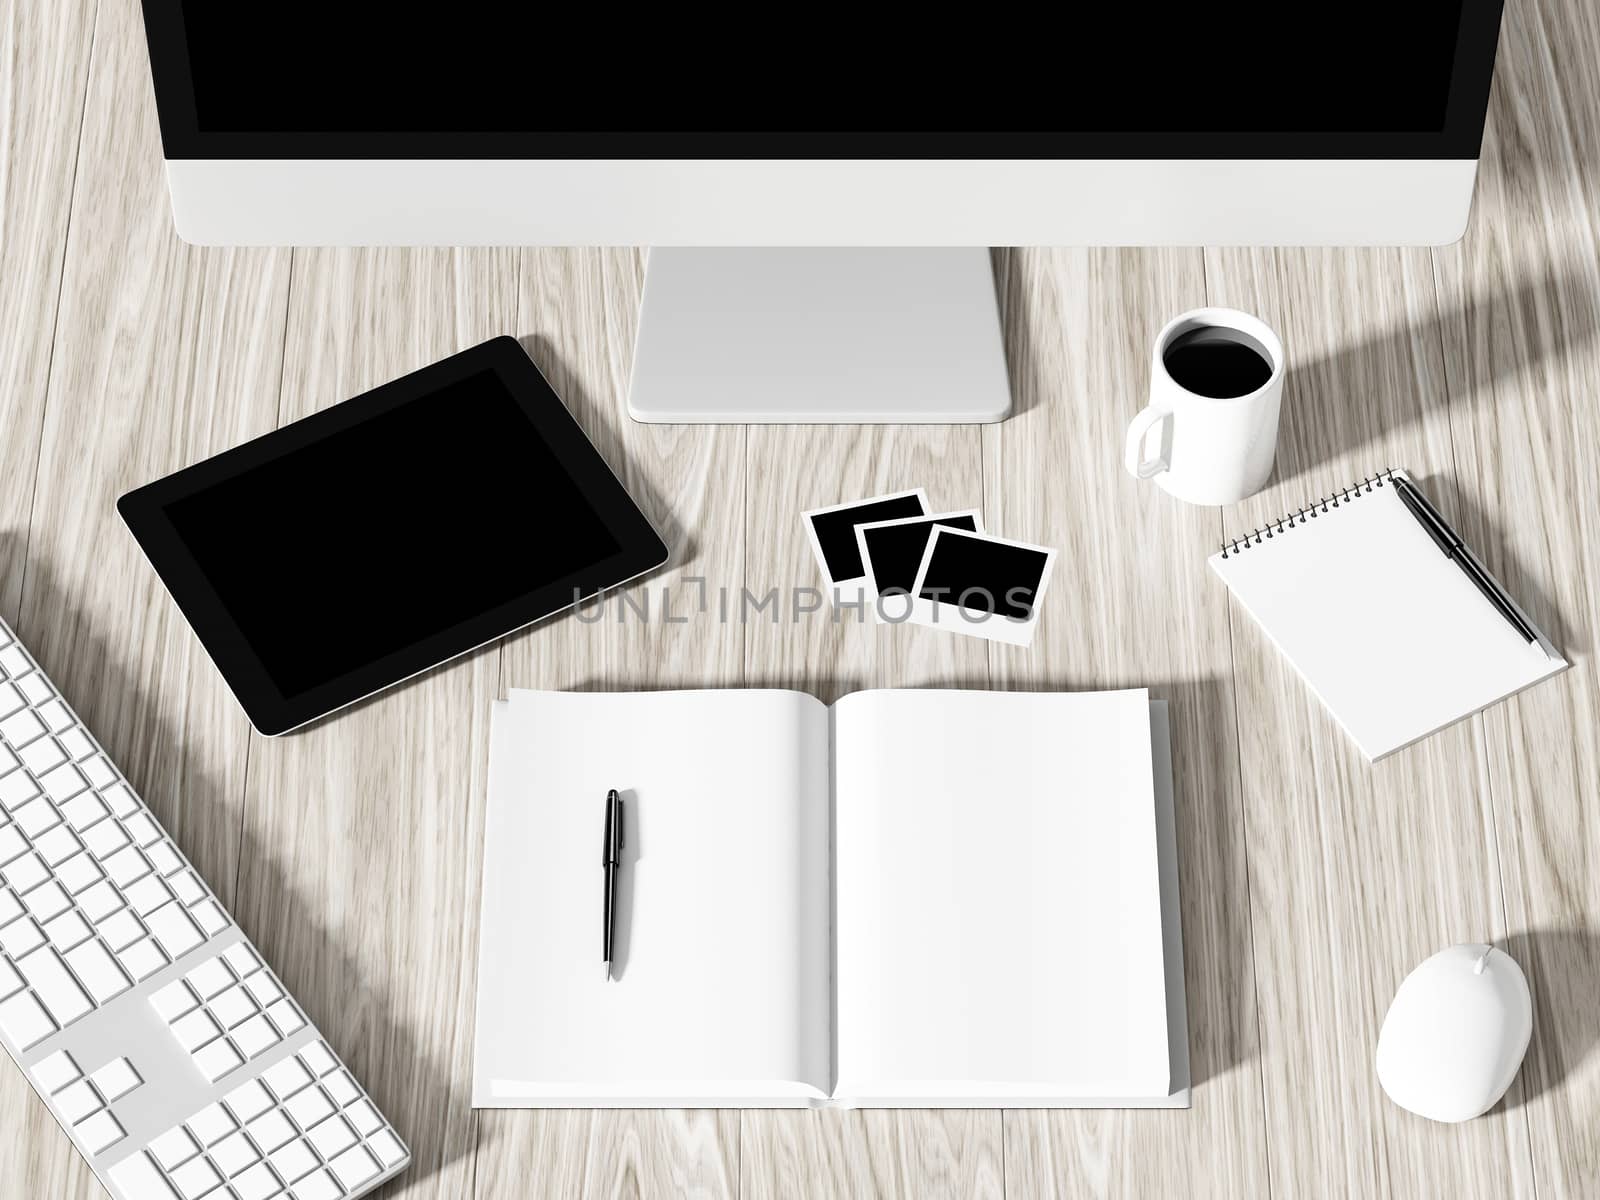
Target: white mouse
(1455, 1033)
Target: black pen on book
(611, 860)
(1456, 550)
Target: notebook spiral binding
(1304, 516)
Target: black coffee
(1216, 362)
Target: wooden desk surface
(1311, 882)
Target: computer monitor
(881, 127)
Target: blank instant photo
(983, 586)
(892, 552)
(832, 532)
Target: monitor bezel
(1460, 137)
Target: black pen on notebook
(1456, 550)
(611, 859)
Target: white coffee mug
(1208, 450)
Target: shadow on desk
(1327, 416)
(429, 1105)
(1563, 969)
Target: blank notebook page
(1390, 634)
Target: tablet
(375, 539)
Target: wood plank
(44, 62)
(1522, 353)
(1357, 872)
(1131, 605)
(578, 312)
(165, 354)
(360, 861)
(829, 653)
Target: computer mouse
(1455, 1033)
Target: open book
(915, 898)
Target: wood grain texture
(1311, 881)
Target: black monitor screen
(588, 80)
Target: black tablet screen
(340, 552)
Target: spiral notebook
(1389, 632)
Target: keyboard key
(12, 843)
(100, 974)
(255, 1036)
(293, 1161)
(232, 1006)
(286, 1017)
(21, 728)
(258, 1183)
(76, 743)
(120, 799)
(234, 1153)
(164, 859)
(271, 1130)
(14, 662)
(309, 1107)
(195, 1030)
(42, 756)
(99, 1131)
(126, 865)
(147, 895)
(19, 937)
(210, 917)
(217, 1059)
(142, 829)
(195, 1178)
(173, 1148)
(388, 1148)
(137, 1178)
(210, 978)
(57, 846)
(26, 872)
(10, 700)
(99, 901)
(83, 811)
(54, 1073)
(116, 1079)
(16, 789)
(172, 1001)
(47, 900)
(248, 1101)
(318, 1059)
(10, 906)
(355, 1167)
(318, 1185)
(34, 687)
(211, 1124)
(104, 838)
(55, 986)
(24, 1020)
(176, 933)
(55, 715)
(76, 1101)
(142, 959)
(67, 931)
(285, 1079)
(364, 1117)
(242, 959)
(188, 888)
(97, 771)
(10, 981)
(333, 1137)
(121, 930)
(37, 815)
(263, 987)
(63, 783)
(341, 1088)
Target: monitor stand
(803, 335)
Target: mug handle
(1138, 432)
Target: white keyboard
(165, 1047)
